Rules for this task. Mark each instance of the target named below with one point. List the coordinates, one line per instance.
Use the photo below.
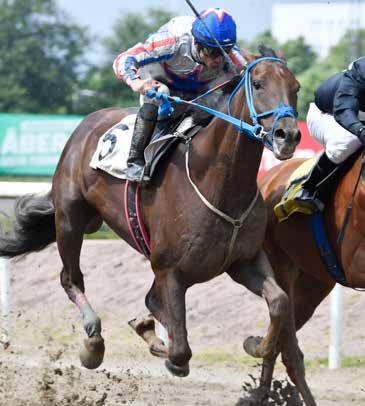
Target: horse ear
(247, 55)
(266, 51)
(281, 55)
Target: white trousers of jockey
(334, 119)
(181, 58)
(339, 143)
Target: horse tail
(33, 227)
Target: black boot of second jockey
(319, 173)
(143, 130)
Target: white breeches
(339, 143)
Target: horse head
(270, 93)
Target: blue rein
(255, 131)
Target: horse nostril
(280, 133)
(288, 134)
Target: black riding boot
(308, 194)
(143, 130)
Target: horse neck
(225, 165)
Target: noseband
(256, 130)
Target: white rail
(334, 353)
(5, 301)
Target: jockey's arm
(158, 47)
(237, 58)
(346, 100)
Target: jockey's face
(211, 62)
(211, 57)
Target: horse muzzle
(285, 141)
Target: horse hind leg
(306, 294)
(258, 277)
(72, 219)
(293, 360)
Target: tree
(299, 55)
(40, 54)
(264, 38)
(336, 61)
(128, 30)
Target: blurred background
(57, 55)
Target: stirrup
(308, 198)
(135, 173)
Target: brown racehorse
(294, 257)
(189, 242)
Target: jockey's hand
(141, 86)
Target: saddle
(288, 205)
(111, 153)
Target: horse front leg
(166, 301)
(71, 221)
(258, 277)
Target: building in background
(321, 24)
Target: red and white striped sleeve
(237, 58)
(159, 46)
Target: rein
(255, 131)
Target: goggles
(213, 52)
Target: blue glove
(165, 109)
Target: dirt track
(41, 367)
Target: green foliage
(299, 55)
(337, 60)
(132, 28)
(40, 57)
(265, 38)
(43, 70)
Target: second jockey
(182, 58)
(336, 120)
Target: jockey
(181, 58)
(334, 119)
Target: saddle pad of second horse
(288, 205)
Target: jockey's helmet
(220, 24)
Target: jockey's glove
(361, 134)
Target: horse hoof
(158, 348)
(181, 372)
(251, 346)
(92, 354)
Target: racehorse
(294, 257)
(191, 241)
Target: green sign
(31, 144)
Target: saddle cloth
(288, 205)
(112, 151)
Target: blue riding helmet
(220, 24)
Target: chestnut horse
(294, 257)
(191, 242)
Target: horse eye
(256, 84)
